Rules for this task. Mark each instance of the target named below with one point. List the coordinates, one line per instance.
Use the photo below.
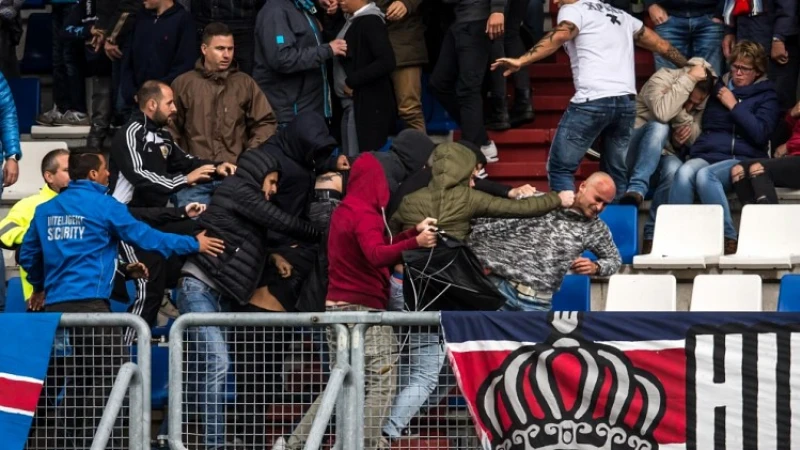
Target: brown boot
(647, 247)
(730, 246)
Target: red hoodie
(360, 252)
(793, 144)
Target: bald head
(594, 194)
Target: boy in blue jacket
(70, 253)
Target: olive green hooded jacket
(449, 198)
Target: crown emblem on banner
(527, 376)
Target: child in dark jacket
(161, 47)
(755, 181)
(362, 79)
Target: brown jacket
(662, 98)
(407, 35)
(220, 114)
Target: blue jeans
(519, 302)
(200, 193)
(711, 182)
(418, 377)
(644, 154)
(693, 36)
(211, 353)
(397, 301)
(582, 123)
(668, 165)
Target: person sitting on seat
(755, 181)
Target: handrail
(128, 378)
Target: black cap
(479, 156)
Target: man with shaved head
(528, 258)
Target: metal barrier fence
(250, 380)
(88, 356)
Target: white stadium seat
(686, 237)
(30, 169)
(641, 293)
(768, 238)
(71, 132)
(788, 194)
(726, 293)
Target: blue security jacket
(743, 132)
(70, 249)
(9, 127)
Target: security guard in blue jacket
(70, 254)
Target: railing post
(129, 376)
(175, 400)
(357, 396)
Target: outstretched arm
(650, 40)
(564, 32)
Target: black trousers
(457, 80)
(511, 45)
(785, 78)
(89, 373)
(164, 274)
(778, 172)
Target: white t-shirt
(601, 54)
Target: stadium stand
(38, 56)
(777, 249)
(726, 293)
(15, 302)
(30, 168)
(642, 293)
(574, 295)
(789, 296)
(623, 221)
(27, 93)
(686, 237)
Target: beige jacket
(662, 98)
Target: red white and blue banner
(26, 340)
(629, 381)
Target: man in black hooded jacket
(240, 213)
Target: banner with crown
(629, 381)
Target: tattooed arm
(564, 32)
(650, 40)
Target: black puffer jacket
(241, 216)
(297, 146)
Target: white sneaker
(490, 152)
(49, 118)
(280, 444)
(594, 154)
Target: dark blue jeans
(69, 65)
(693, 36)
(582, 123)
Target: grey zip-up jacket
(290, 61)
